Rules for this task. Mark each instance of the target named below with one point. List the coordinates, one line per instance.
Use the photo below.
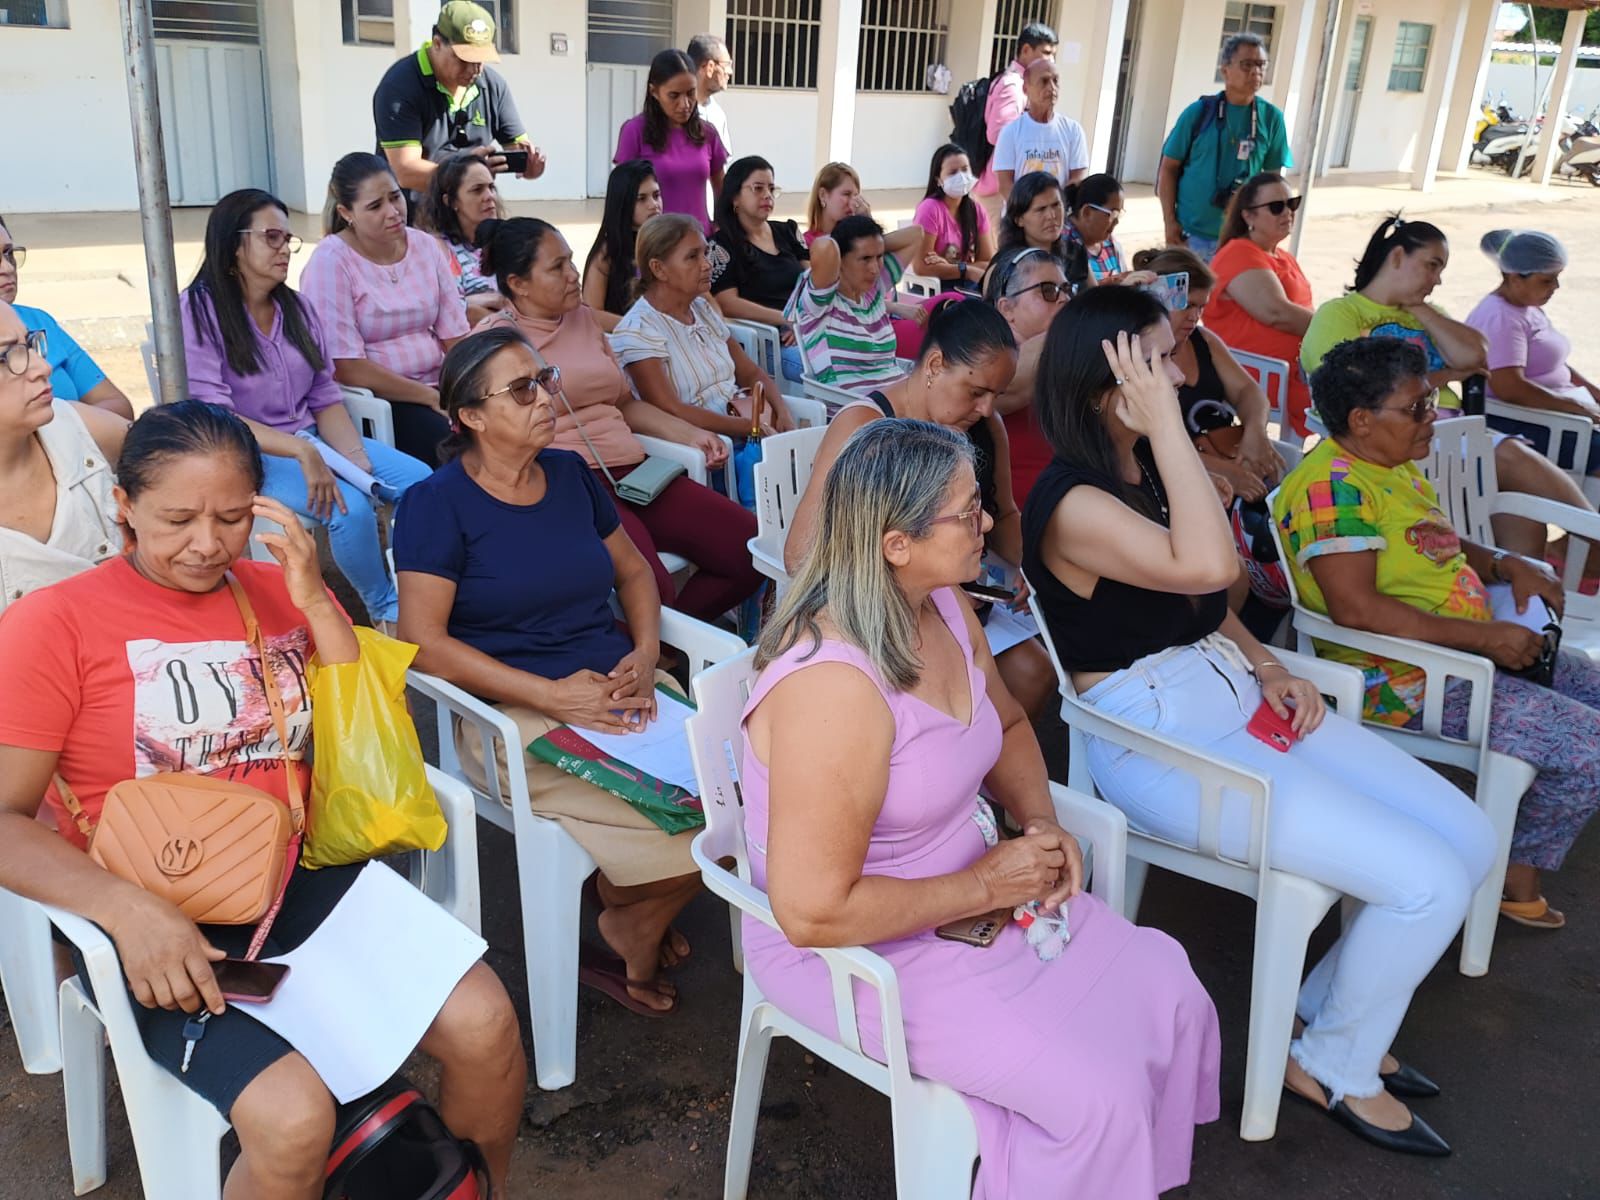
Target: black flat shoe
(1418, 1138)
(1409, 1083)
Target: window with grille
(1259, 19)
(236, 21)
(629, 32)
(1009, 18)
(43, 14)
(1410, 65)
(900, 40)
(774, 43)
(368, 22)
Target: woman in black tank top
(968, 358)
(1129, 553)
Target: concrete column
(971, 40)
(1472, 78)
(1560, 93)
(836, 79)
(699, 16)
(1102, 64)
(1443, 61)
(1296, 58)
(413, 24)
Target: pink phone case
(1267, 726)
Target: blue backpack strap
(1208, 118)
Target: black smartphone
(988, 592)
(516, 161)
(249, 982)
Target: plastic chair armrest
(1583, 522)
(807, 414)
(767, 559)
(694, 462)
(1340, 681)
(704, 645)
(1105, 828)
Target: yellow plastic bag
(369, 793)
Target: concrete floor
(1516, 1051)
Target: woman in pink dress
(876, 718)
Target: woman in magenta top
(877, 716)
(387, 300)
(957, 242)
(686, 151)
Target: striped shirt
(697, 355)
(398, 315)
(846, 343)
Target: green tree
(1551, 23)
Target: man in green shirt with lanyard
(1217, 143)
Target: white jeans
(1348, 810)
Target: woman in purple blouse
(254, 346)
(686, 152)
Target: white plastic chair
(373, 417)
(551, 865)
(27, 973)
(781, 477)
(935, 1141)
(1461, 469)
(1501, 779)
(1273, 376)
(1288, 907)
(833, 398)
(765, 347)
(175, 1132)
(1568, 444)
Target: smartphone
(516, 161)
(1267, 726)
(249, 982)
(980, 930)
(1171, 289)
(988, 593)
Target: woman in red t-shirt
(1262, 304)
(140, 666)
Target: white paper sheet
(363, 989)
(352, 474)
(1503, 604)
(1006, 629)
(660, 749)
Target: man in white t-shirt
(713, 69)
(1040, 139)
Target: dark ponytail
(344, 184)
(1410, 236)
(510, 246)
(967, 332)
(187, 428)
(461, 379)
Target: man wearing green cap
(445, 100)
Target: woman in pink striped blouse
(387, 300)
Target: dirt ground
(1516, 1050)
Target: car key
(193, 1030)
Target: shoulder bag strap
(561, 394)
(269, 683)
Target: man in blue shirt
(1216, 144)
(73, 374)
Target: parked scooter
(1498, 142)
(1491, 115)
(1582, 157)
(1505, 146)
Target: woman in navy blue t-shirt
(506, 560)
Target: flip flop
(591, 896)
(1535, 914)
(615, 984)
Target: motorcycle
(1582, 157)
(1500, 136)
(1508, 144)
(1491, 115)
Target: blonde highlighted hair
(830, 177)
(892, 475)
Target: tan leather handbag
(220, 851)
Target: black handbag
(391, 1145)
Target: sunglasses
(526, 391)
(1049, 291)
(972, 516)
(16, 354)
(1276, 207)
(15, 255)
(1418, 409)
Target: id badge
(1247, 147)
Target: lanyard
(1222, 134)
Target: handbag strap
(269, 683)
(561, 393)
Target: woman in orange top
(1262, 304)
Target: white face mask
(958, 184)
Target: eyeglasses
(15, 255)
(1250, 64)
(16, 354)
(1049, 291)
(1114, 214)
(276, 238)
(1418, 409)
(761, 189)
(526, 391)
(973, 517)
(1276, 207)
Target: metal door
(1122, 108)
(212, 81)
(1355, 76)
(623, 36)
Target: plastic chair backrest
(781, 478)
(1273, 376)
(716, 746)
(1460, 465)
(761, 344)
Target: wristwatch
(1494, 565)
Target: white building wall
(66, 101)
(895, 136)
(780, 126)
(1389, 125)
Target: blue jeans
(1205, 247)
(794, 364)
(353, 534)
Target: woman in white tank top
(57, 512)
